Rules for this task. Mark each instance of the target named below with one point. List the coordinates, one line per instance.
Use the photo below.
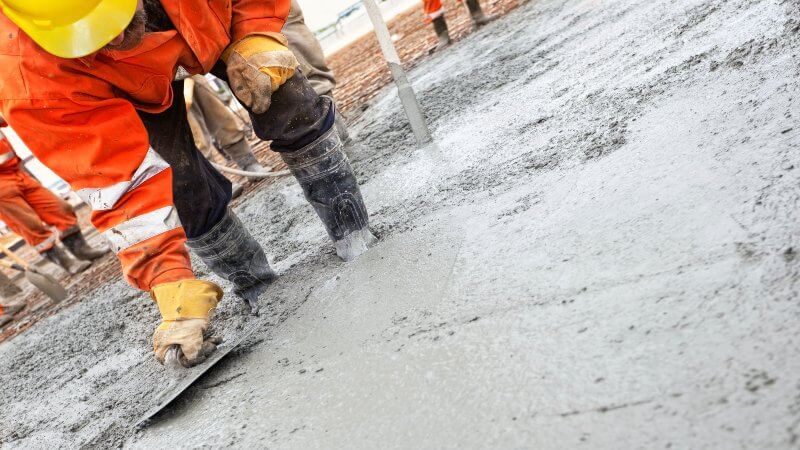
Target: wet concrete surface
(602, 254)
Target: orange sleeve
(253, 16)
(101, 149)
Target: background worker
(308, 51)
(214, 124)
(8, 310)
(31, 211)
(212, 121)
(94, 97)
(10, 304)
(434, 11)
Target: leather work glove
(258, 65)
(185, 308)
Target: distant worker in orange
(434, 11)
(31, 211)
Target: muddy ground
(602, 254)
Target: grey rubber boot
(66, 260)
(76, 243)
(341, 128)
(329, 184)
(476, 12)
(442, 33)
(232, 253)
(248, 162)
(236, 190)
(8, 310)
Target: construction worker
(307, 49)
(434, 12)
(89, 85)
(30, 210)
(8, 310)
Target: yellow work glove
(258, 65)
(185, 308)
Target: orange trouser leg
(20, 217)
(50, 209)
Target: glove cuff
(278, 37)
(186, 299)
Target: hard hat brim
(83, 37)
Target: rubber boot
(249, 163)
(329, 184)
(66, 260)
(341, 128)
(476, 12)
(8, 310)
(76, 243)
(236, 190)
(442, 33)
(231, 252)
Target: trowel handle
(11, 254)
(11, 265)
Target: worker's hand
(185, 308)
(257, 66)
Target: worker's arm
(258, 16)
(258, 59)
(101, 149)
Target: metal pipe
(404, 89)
(243, 173)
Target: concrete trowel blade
(47, 284)
(185, 378)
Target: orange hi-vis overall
(433, 9)
(79, 117)
(28, 208)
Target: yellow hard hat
(70, 28)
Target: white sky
(320, 13)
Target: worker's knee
(296, 117)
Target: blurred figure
(8, 305)
(434, 10)
(212, 121)
(30, 210)
(8, 310)
(306, 48)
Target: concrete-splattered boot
(442, 33)
(236, 190)
(329, 184)
(341, 128)
(231, 252)
(66, 260)
(76, 243)
(476, 12)
(8, 310)
(247, 161)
